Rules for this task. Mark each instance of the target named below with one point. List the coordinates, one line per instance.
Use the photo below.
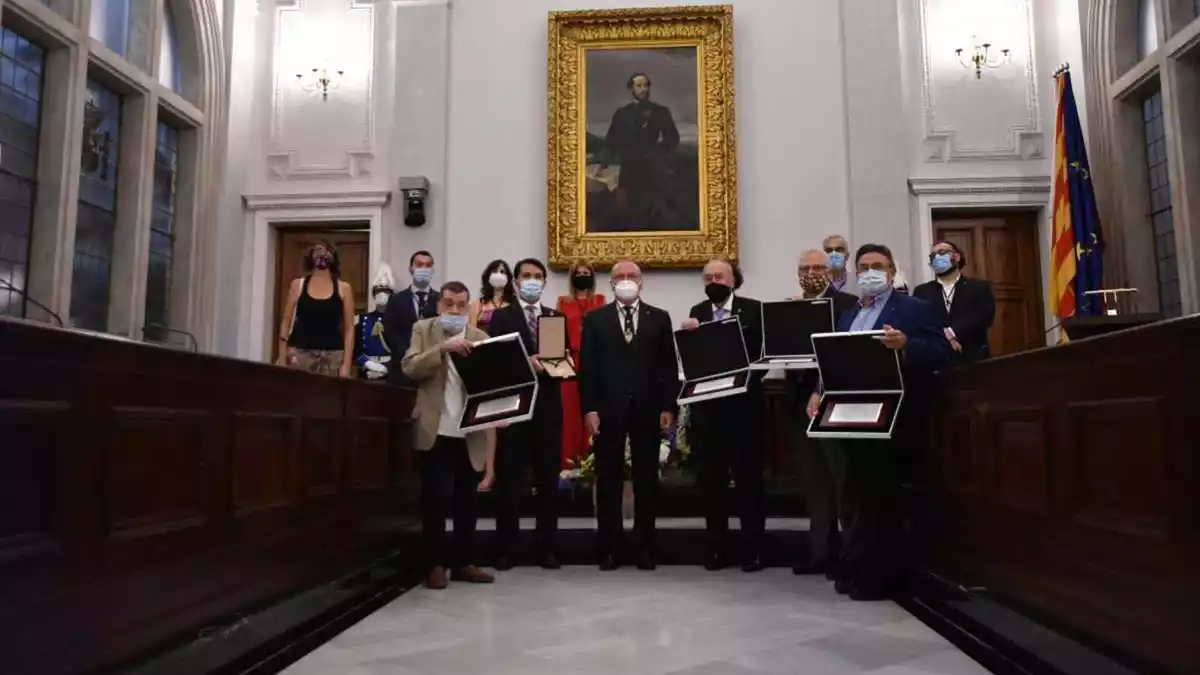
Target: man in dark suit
(418, 301)
(815, 274)
(965, 307)
(536, 443)
(628, 385)
(642, 137)
(728, 431)
(868, 472)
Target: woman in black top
(318, 323)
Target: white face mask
(498, 280)
(627, 290)
(381, 300)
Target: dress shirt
(453, 400)
(727, 306)
(838, 283)
(637, 304)
(416, 299)
(868, 315)
(948, 286)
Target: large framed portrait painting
(642, 149)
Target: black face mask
(583, 282)
(718, 293)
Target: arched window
(1147, 27)
(170, 72)
(110, 24)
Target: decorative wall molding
(300, 129)
(1023, 140)
(1014, 185)
(370, 198)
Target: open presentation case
(863, 386)
(787, 330)
(552, 347)
(714, 361)
(500, 383)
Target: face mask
(717, 293)
(381, 300)
(942, 263)
(453, 324)
(627, 290)
(813, 282)
(322, 261)
(583, 282)
(498, 280)
(422, 275)
(837, 260)
(531, 290)
(872, 282)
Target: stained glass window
(169, 71)
(97, 217)
(110, 24)
(1161, 211)
(21, 66)
(1147, 28)
(162, 233)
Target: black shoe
(844, 586)
(608, 562)
(504, 563)
(646, 561)
(811, 567)
(549, 561)
(873, 595)
(716, 561)
(754, 564)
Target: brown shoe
(472, 575)
(436, 579)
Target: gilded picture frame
(636, 175)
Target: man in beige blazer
(450, 460)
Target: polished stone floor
(676, 620)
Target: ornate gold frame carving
(709, 27)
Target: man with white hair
(815, 276)
(628, 384)
(372, 354)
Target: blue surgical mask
(531, 290)
(453, 324)
(872, 282)
(422, 275)
(942, 263)
(837, 260)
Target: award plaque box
(787, 329)
(552, 347)
(500, 383)
(714, 361)
(863, 386)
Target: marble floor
(676, 620)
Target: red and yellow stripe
(1062, 238)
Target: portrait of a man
(642, 140)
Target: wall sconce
(982, 56)
(320, 79)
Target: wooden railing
(146, 491)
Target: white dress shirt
(637, 305)
(453, 400)
(727, 306)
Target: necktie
(628, 323)
(531, 318)
(721, 313)
(421, 299)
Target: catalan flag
(1077, 244)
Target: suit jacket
(399, 317)
(425, 364)
(511, 319)
(613, 374)
(927, 348)
(750, 312)
(801, 383)
(971, 313)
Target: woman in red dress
(582, 299)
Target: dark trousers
(728, 441)
(448, 486)
(536, 444)
(609, 448)
(815, 460)
(867, 473)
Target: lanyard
(948, 296)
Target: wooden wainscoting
(1067, 480)
(146, 492)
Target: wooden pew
(1067, 482)
(146, 492)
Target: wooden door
(354, 258)
(1002, 248)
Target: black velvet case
(714, 361)
(787, 330)
(857, 370)
(496, 368)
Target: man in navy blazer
(868, 473)
(405, 308)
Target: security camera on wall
(415, 189)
